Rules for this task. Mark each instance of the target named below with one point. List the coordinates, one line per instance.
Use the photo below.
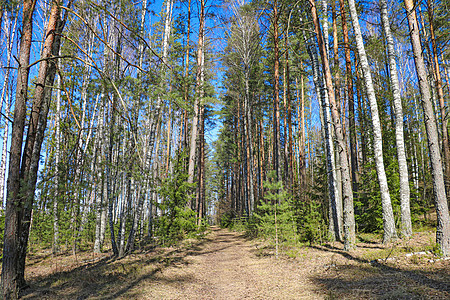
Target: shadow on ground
(364, 280)
(111, 278)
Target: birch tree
(388, 214)
(9, 36)
(347, 193)
(406, 227)
(325, 116)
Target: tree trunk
(303, 135)
(35, 134)
(11, 280)
(125, 209)
(248, 141)
(5, 98)
(440, 94)
(201, 163)
(100, 182)
(289, 118)
(406, 227)
(335, 225)
(186, 76)
(443, 222)
(194, 129)
(55, 247)
(108, 184)
(351, 104)
(134, 226)
(276, 98)
(347, 193)
(388, 214)
(336, 71)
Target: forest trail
(227, 265)
(222, 265)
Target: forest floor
(228, 265)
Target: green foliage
(310, 222)
(177, 220)
(274, 218)
(312, 207)
(368, 210)
(226, 219)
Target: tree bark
(276, 98)
(406, 227)
(440, 94)
(335, 212)
(351, 104)
(108, 182)
(388, 214)
(186, 77)
(194, 129)
(5, 99)
(55, 246)
(443, 222)
(289, 118)
(10, 280)
(347, 193)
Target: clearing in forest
(227, 265)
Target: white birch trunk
(155, 114)
(55, 247)
(347, 193)
(100, 207)
(124, 208)
(167, 29)
(9, 38)
(4, 154)
(388, 214)
(406, 227)
(335, 211)
(325, 25)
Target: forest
(131, 125)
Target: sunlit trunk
(443, 222)
(406, 227)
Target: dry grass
(227, 265)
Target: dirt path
(227, 267)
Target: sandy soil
(227, 265)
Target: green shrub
(177, 221)
(274, 218)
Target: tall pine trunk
(324, 108)
(347, 192)
(195, 129)
(351, 104)
(440, 94)
(276, 95)
(440, 198)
